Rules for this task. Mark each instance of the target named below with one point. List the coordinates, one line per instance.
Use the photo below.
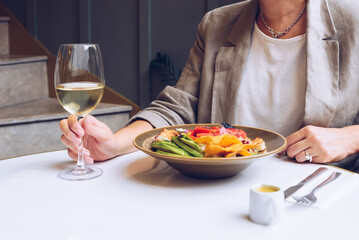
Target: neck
(279, 14)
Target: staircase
(29, 110)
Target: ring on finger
(308, 157)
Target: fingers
(322, 144)
(72, 154)
(72, 129)
(293, 139)
(298, 148)
(85, 154)
(97, 129)
(302, 157)
(297, 136)
(72, 149)
(71, 138)
(75, 126)
(299, 142)
(69, 144)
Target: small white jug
(266, 205)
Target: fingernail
(89, 161)
(87, 119)
(86, 153)
(77, 140)
(81, 131)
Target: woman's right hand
(98, 140)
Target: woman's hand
(98, 140)
(323, 144)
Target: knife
(295, 188)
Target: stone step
(32, 127)
(22, 79)
(4, 35)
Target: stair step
(22, 79)
(4, 35)
(33, 127)
(48, 109)
(19, 59)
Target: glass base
(77, 174)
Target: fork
(310, 198)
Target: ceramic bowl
(214, 167)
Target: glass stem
(80, 156)
(80, 160)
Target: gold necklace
(276, 34)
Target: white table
(137, 199)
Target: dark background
(130, 33)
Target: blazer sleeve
(178, 105)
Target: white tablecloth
(139, 197)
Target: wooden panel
(4, 35)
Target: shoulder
(345, 17)
(344, 11)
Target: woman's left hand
(323, 144)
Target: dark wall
(174, 30)
(114, 26)
(129, 33)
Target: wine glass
(79, 83)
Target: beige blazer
(206, 91)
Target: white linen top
(275, 75)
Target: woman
(289, 66)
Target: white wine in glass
(79, 83)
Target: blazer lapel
(230, 64)
(322, 65)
